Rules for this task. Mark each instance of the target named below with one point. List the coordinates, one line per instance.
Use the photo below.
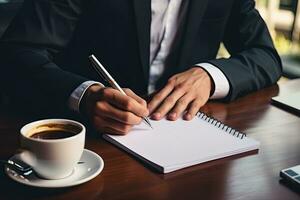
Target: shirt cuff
(78, 93)
(222, 86)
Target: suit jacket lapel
(194, 15)
(142, 9)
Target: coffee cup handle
(25, 156)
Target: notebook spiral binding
(220, 125)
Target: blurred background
(283, 20)
(281, 16)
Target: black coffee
(53, 134)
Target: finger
(111, 126)
(180, 106)
(168, 104)
(160, 96)
(124, 102)
(140, 100)
(109, 111)
(193, 109)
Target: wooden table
(254, 176)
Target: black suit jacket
(44, 52)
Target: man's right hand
(112, 112)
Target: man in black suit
(164, 46)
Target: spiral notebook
(173, 145)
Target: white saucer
(92, 165)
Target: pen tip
(146, 120)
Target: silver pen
(107, 77)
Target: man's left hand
(187, 91)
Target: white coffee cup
(52, 158)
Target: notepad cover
(173, 145)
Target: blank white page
(177, 144)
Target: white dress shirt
(166, 16)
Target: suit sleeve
(254, 63)
(40, 31)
